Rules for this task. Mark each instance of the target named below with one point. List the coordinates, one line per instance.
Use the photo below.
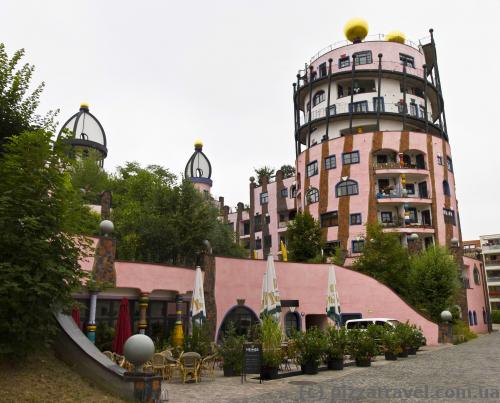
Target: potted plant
(405, 334)
(361, 347)
(231, 351)
(416, 341)
(270, 337)
(336, 343)
(310, 347)
(391, 343)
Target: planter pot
(310, 368)
(403, 354)
(336, 364)
(269, 373)
(363, 362)
(391, 357)
(228, 371)
(411, 351)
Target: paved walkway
(467, 372)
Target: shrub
(462, 333)
(336, 343)
(199, 340)
(405, 333)
(231, 349)
(310, 346)
(495, 316)
(270, 337)
(391, 342)
(361, 346)
(104, 335)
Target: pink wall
(358, 293)
(475, 296)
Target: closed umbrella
(198, 311)
(333, 302)
(75, 314)
(270, 303)
(122, 328)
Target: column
(178, 334)
(91, 326)
(143, 307)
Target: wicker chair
(190, 365)
(207, 366)
(171, 364)
(110, 355)
(159, 365)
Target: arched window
(407, 160)
(242, 318)
(485, 319)
(292, 323)
(347, 188)
(318, 97)
(475, 318)
(312, 196)
(477, 277)
(471, 320)
(446, 188)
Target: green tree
(264, 172)
(17, 105)
(39, 249)
(304, 238)
(89, 178)
(385, 259)
(288, 171)
(433, 280)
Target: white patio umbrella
(198, 312)
(270, 303)
(333, 302)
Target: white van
(365, 322)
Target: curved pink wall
(475, 296)
(358, 293)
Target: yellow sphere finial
(395, 36)
(198, 144)
(356, 29)
(84, 105)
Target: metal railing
(490, 247)
(492, 263)
(396, 165)
(400, 223)
(399, 193)
(493, 279)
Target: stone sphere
(138, 349)
(446, 316)
(454, 241)
(106, 226)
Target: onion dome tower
(198, 169)
(85, 133)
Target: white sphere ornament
(454, 241)
(446, 316)
(106, 227)
(138, 349)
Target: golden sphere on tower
(84, 105)
(395, 36)
(356, 29)
(198, 143)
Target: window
(378, 104)
(284, 192)
(363, 58)
(267, 241)
(422, 111)
(330, 219)
(264, 198)
(246, 227)
(477, 278)
(358, 107)
(413, 108)
(312, 169)
(340, 91)
(440, 160)
(322, 70)
(312, 196)
(446, 188)
(318, 97)
(386, 216)
(292, 324)
(268, 219)
(418, 92)
(332, 110)
(330, 162)
(358, 246)
(355, 219)
(475, 317)
(382, 159)
(350, 158)
(410, 188)
(258, 244)
(258, 222)
(406, 60)
(331, 247)
(449, 163)
(293, 192)
(344, 62)
(413, 214)
(347, 188)
(449, 216)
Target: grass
(44, 378)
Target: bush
(270, 337)
(231, 349)
(462, 333)
(361, 346)
(310, 346)
(199, 340)
(405, 333)
(495, 316)
(104, 335)
(391, 342)
(336, 343)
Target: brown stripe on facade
(404, 142)
(280, 201)
(307, 182)
(377, 141)
(265, 226)
(343, 231)
(447, 199)
(324, 192)
(252, 218)
(430, 159)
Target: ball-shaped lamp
(395, 36)
(454, 242)
(106, 227)
(138, 349)
(446, 316)
(356, 29)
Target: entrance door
(426, 217)
(422, 190)
(420, 160)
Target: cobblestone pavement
(467, 372)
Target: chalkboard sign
(252, 359)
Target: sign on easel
(252, 360)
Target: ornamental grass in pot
(361, 347)
(270, 337)
(405, 334)
(310, 348)
(336, 344)
(391, 344)
(231, 351)
(416, 340)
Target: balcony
(398, 196)
(494, 294)
(492, 263)
(392, 167)
(489, 248)
(493, 279)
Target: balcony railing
(399, 223)
(396, 165)
(368, 107)
(494, 293)
(398, 194)
(490, 247)
(493, 279)
(492, 263)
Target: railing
(399, 193)
(369, 38)
(492, 263)
(368, 107)
(494, 293)
(399, 223)
(490, 247)
(282, 224)
(475, 254)
(493, 279)
(396, 165)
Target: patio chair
(207, 366)
(190, 365)
(171, 364)
(159, 365)
(110, 355)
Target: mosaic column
(178, 334)
(143, 307)
(91, 327)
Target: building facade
(490, 249)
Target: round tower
(85, 134)
(198, 169)
(371, 141)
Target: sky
(160, 74)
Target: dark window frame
(355, 219)
(264, 198)
(358, 107)
(351, 186)
(314, 166)
(312, 191)
(358, 246)
(347, 158)
(407, 60)
(386, 217)
(449, 216)
(318, 97)
(446, 188)
(284, 192)
(364, 56)
(330, 162)
(344, 62)
(329, 219)
(378, 101)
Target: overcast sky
(159, 74)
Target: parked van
(365, 322)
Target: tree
(89, 178)
(264, 172)
(304, 238)
(288, 171)
(39, 249)
(17, 105)
(433, 280)
(385, 259)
